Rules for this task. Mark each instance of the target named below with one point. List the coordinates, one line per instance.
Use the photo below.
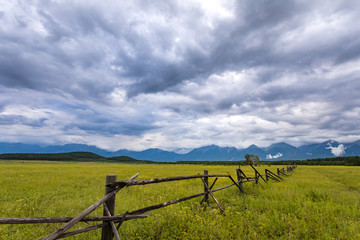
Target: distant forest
(345, 161)
(92, 157)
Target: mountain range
(277, 151)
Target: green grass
(315, 202)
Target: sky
(179, 74)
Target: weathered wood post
(107, 232)
(278, 171)
(206, 183)
(239, 178)
(256, 177)
(266, 175)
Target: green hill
(69, 157)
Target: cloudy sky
(179, 74)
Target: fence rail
(112, 187)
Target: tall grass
(313, 203)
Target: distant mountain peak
(330, 141)
(212, 146)
(252, 146)
(154, 150)
(279, 145)
(207, 148)
(276, 151)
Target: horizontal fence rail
(112, 187)
(129, 183)
(28, 220)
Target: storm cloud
(179, 74)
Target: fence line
(112, 187)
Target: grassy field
(313, 203)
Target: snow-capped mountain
(326, 149)
(279, 151)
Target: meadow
(315, 202)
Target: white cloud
(269, 156)
(337, 151)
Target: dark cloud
(250, 40)
(154, 70)
(109, 126)
(21, 120)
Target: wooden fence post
(206, 181)
(239, 178)
(266, 175)
(107, 232)
(256, 177)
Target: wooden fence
(112, 186)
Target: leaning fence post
(266, 175)
(107, 232)
(239, 178)
(206, 181)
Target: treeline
(337, 161)
(210, 162)
(125, 159)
